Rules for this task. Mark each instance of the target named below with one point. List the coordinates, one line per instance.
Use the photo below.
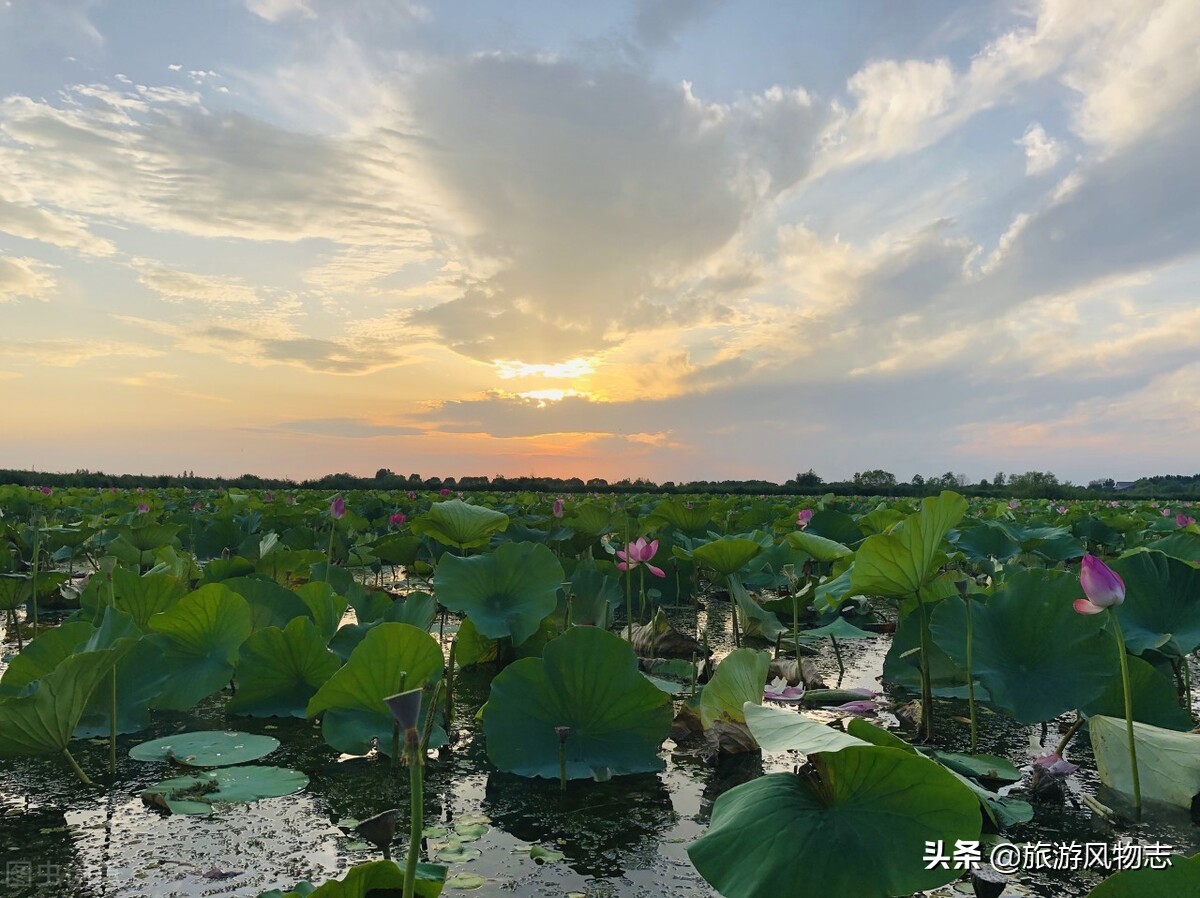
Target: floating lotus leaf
(839, 628)
(588, 680)
(855, 822)
(897, 564)
(391, 658)
(777, 730)
(740, 678)
(1035, 654)
(200, 636)
(456, 523)
(206, 748)
(197, 793)
(1168, 762)
(380, 878)
(1162, 604)
(505, 594)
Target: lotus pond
(610, 696)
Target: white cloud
(24, 278)
(276, 10)
(175, 285)
(28, 221)
(1042, 152)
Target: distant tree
(1000, 479)
(876, 479)
(597, 482)
(808, 478)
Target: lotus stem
(1187, 684)
(33, 584)
(329, 550)
(796, 624)
(837, 653)
(450, 688)
(416, 795)
(641, 593)
(112, 721)
(1071, 731)
(926, 685)
(1137, 783)
(83, 777)
(693, 684)
(395, 744)
(563, 733)
(966, 597)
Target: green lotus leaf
(507, 593)
(197, 793)
(226, 569)
(588, 680)
(380, 878)
(281, 670)
(141, 676)
(590, 519)
(12, 593)
(987, 539)
(1033, 652)
(1154, 698)
(839, 628)
(147, 537)
(391, 658)
(206, 748)
(399, 548)
(1162, 604)
(200, 636)
(42, 721)
(1184, 545)
(456, 523)
(779, 730)
(143, 597)
(1182, 877)
(1168, 761)
(740, 678)
(44, 654)
(901, 665)
(726, 555)
(835, 525)
(818, 547)
(897, 564)
(271, 605)
(985, 767)
(692, 517)
(325, 607)
(595, 591)
(789, 834)
(755, 620)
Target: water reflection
(603, 829)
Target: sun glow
(508, 369)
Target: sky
(673, 239)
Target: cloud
(587, 188)
(176, 286)
(343, 428)
(277, 10)
(31, 222)
(1042, 152)
(24, 278)
(70, 353)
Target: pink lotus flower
(444, 491)
(639, 552)
(397, 519)
(558, 507)
(778, 690)
(142, 508)
(269, 497)
(803, 516)
(1055, 763)
(1113, 503)
(1102, 585)
(1062, 509)
(1166, 512)
(337, 508)
(865, 707)
(46, 491)
(1013, 503)
(411, 494)
(1182, 520)
(196, 506)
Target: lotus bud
(337, 508)
(1102, 585)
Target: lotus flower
(1102, 585)
(337, 508)
(46, 491)
(397, 519)
(1062, 509)
(142, 508)
(639, 552)
(444, 491)
(1166, 512)
(1053, 762)
(196, 506)
(803, 516)
(411, 494)
(141, 490)
(778, 690)
(1013, 503)
(865, 707)
(558, 507)
(1182, 520)
(269, 497)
